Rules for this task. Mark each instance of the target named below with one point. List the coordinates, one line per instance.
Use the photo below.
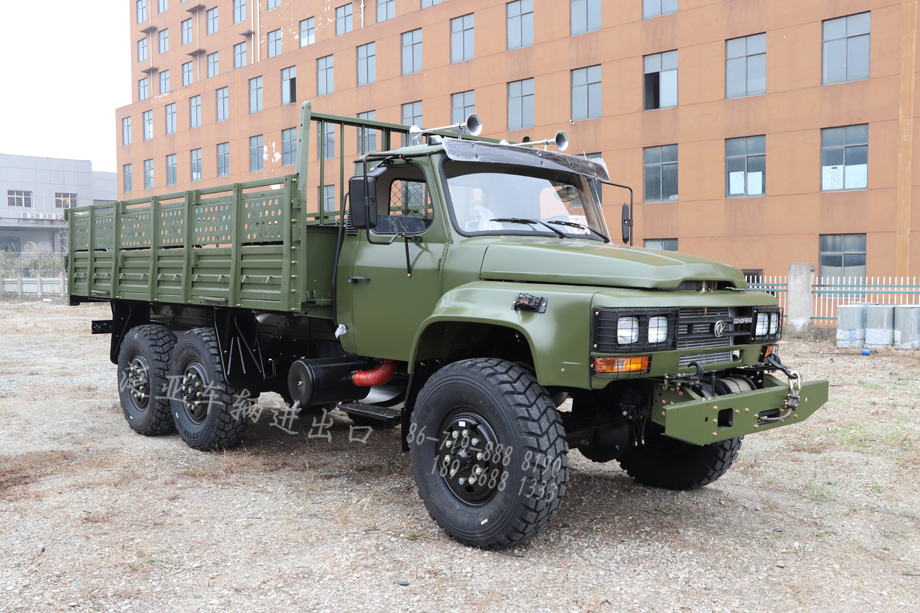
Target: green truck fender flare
(558, 337)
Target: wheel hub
(469, 458)
(193, 388)
(139, 382)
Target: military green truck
(459, 286)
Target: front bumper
(689, 418)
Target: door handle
(356, 279)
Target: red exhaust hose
(377, 376)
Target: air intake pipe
(329, 380)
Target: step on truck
(462, 287)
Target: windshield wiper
(529, 222)
(572, 224)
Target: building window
(654, 8)
(367, 137)
(846, 49)
(65, 200)
(343, 19)
(462, 46)
(412, 52)
(746, 66)
(845, 158)
(660, 80)
(171, 118)
(520, 104)
(461, 105)
(148, 174)
(162, 6)
(239, 10)
(255, 95)
(520, 24)
(164, 81)
(212, 20)
(325, 76)
(660, 173)
(223, 160)
(126, 131)
(213, 69)
(142, 49)
(127, 181)
(274, 43)
(288, 146)
(223, 104)
(187, 74)
(367, 64)
(141, 11)
(327, 197)
(586, 93)
(661, 244)
(16, 197)
(239, 55)
(327, 145)
(386, 9)
(289, 85)
(163, 36)
(273, 4)
(411, 116)
(171, 169)
(842, 255)
(195, 158)
(148, 125)
(586, 16)
(307, 32)
(255, 153)
(428, 3)
(745, 166)
(187, 31)
(194, 112)
(142, 89)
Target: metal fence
(831, 292)
(774, 285)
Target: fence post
(19, 282)
(801, 301)
(38, 285)
(2, 283)
(61, 282)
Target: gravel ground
(93, 517)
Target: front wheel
(488, 452)
(671, 464)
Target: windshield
(501, 199)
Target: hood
(581, 262)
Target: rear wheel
(671, 464)
(488, 452)
(204, 404)
(143, 366)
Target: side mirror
(361, 215)
(627, 223)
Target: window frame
(746, 157)
(526, 98)
(660, 164)
(463, 38)
(411, 51)
(518, 22)
(846, 148)
(663, 75)
(587, 73)
(369, 63)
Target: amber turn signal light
(770, 350)
(637, 363)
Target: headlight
(657, 329)
(627, 330)
(763, 323)
(774, 323)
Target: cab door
(393, 295)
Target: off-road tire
(671, 464)
(516, 411)
(149, 346)
(220, 424)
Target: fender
(557, 337)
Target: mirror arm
(630, 221)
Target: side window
(403, 202)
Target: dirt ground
(822, 516)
